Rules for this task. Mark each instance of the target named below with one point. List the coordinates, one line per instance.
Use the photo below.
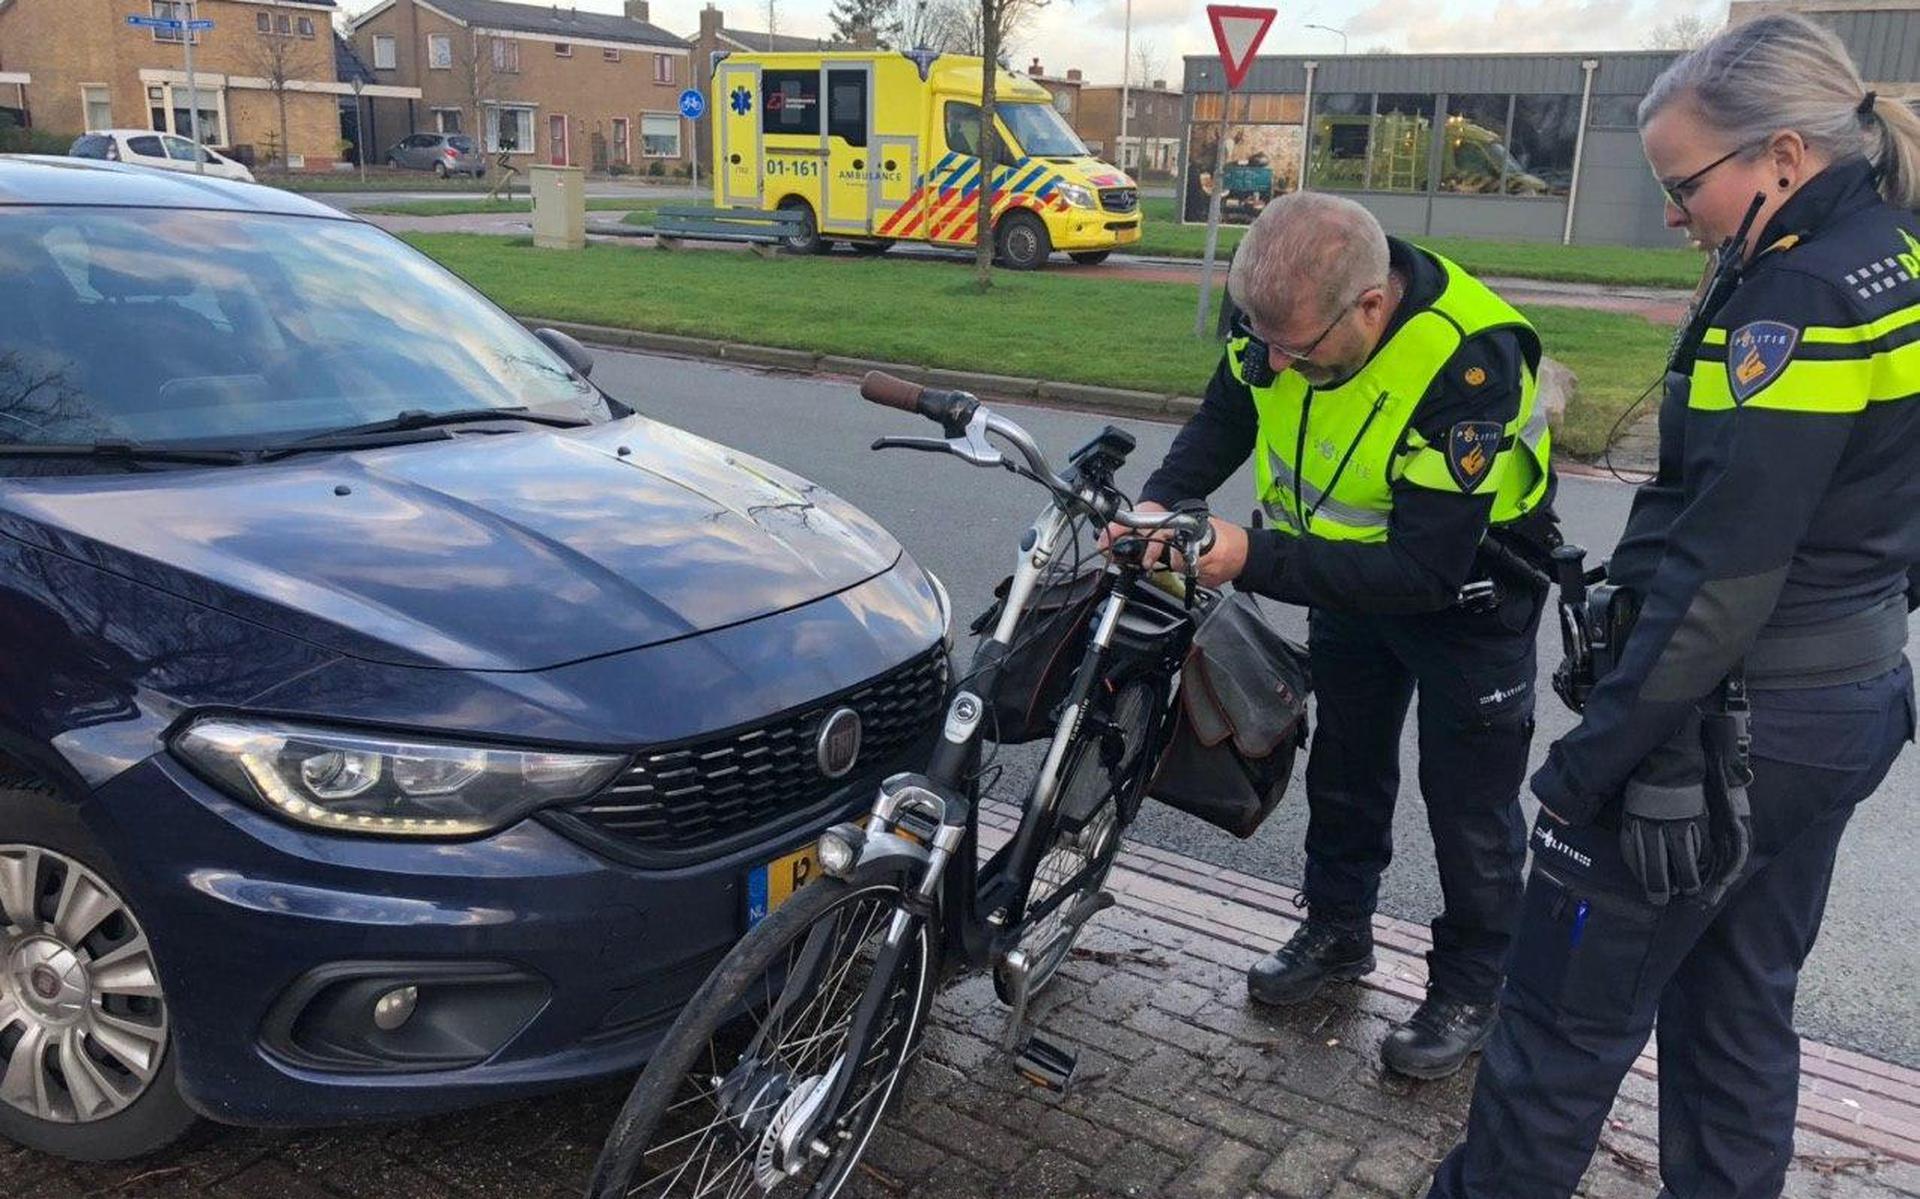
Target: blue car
(390, 720)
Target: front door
(736, 102)
(557, 140)
(850, 158)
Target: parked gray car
(442, 153)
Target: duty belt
(1851, 649)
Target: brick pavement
(1185, 1091)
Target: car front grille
(1119, 199)
(699, 796)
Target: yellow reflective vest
(1326, 460)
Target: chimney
(1073, 74)
(637, 10)
(711, 22)
(1036, 70)
(1159, 85)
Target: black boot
(1317, 953)
(1436, 1040)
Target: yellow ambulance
(876, 147)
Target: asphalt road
(1858, 989)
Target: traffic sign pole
(1237, 32)
(193, 106)
(693, 106)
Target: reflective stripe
(1537, 426)
(1317, 502)
(1831, 387)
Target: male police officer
(1388, 400)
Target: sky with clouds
(1088, 33)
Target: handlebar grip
(890, 391)
(1569, 564)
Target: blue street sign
(197, 26)
(693, 104)
(157, 23)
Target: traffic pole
(1200, 312)
(193, 106)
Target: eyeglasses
(1307, 354)
(1679, 192)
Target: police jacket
(1379, 489)
(1788, 492)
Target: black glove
(1665, 830)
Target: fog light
(839, 850)
(395, 1008)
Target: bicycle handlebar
(891, 391)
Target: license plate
(773, 884)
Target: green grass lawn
(470, 207)
(1065, 326)
(1623, 266)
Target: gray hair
(1783, 72)
(1307, 247)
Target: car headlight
(1075, 195)
(350, 782)
(944, 602)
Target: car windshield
(236, 329)
(1040, 131)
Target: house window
(621, 152)
(306, 27)
(168, 112)
(509, 130)
(176, 10)
(97, 100)
(610, 55)
(660, 135)
(383, 52)
(446, 120)
(1063, 104)
(439, 52)
(563, 49)
(283, 25)
(263, 22)
(506, 55)
(663, 68)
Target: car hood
(490, 551)
(1090, 172)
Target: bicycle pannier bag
(1047, 648)
(1242, 718)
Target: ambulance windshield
(1040, 131)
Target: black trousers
(1594, 964)
(1474, 673)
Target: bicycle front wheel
(730, 1103)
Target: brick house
(545, 83)
(86, 68)
(1153, 126)
(715, 38)
(1065, 91)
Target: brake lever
(931, 444)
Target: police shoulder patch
(1472, 446)
(1757, 353)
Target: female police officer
(1776, 545)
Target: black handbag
(1242, 718)
(1038, 670)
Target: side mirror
(572, 352)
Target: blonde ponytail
(1781, 72)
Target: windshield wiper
(414, 420)
(122, 451)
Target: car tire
(808, 240)
(43, 844)
(439, 170)
(393, 163)
(1021, 242)
(1090, 257)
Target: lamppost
(1126, 78)
(1331, 29)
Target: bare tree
(484, 65)
(949, 26)
(999, 21)
(1688, 31)
(272, 56)
(1148, 64)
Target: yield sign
(1237, 31)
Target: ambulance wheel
(870, 249)
(1090, 257)
(1023, 242)
(808, 240)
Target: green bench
(757, 228)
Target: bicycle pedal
(1046, 1065)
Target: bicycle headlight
(1075, 195)
(351, 782)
